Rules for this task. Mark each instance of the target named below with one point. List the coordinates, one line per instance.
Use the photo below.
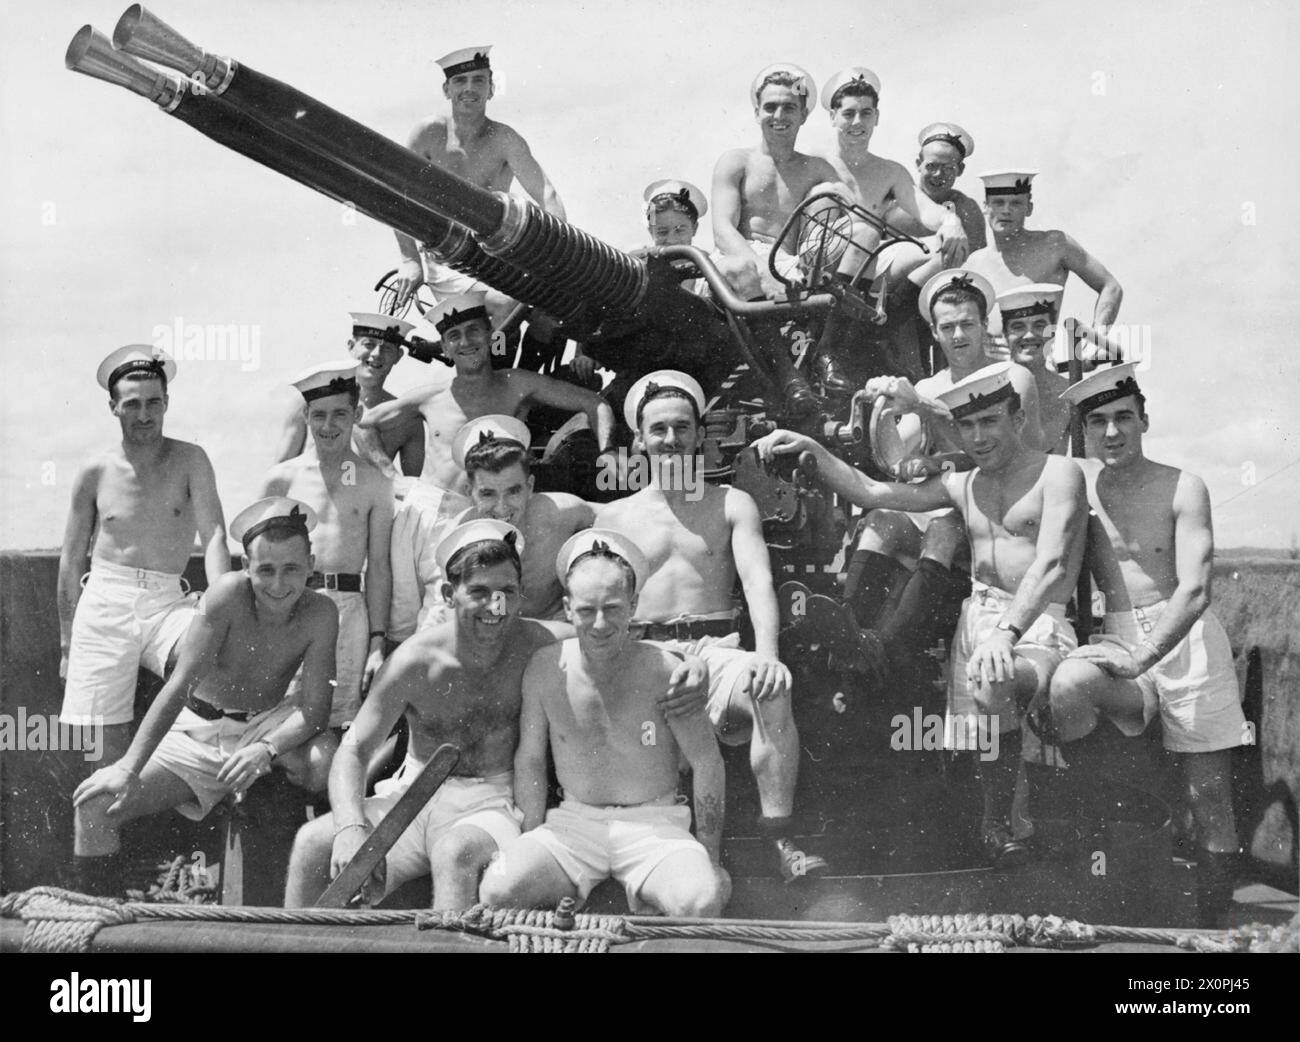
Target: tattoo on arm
(708, 814)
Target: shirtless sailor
(592, 701)
(353, 504)
(377, 344)
(488, 154)
(1029, 315)
(1019, 255)
(1025, 513)
(476, 390)
(1163, 653)
(698, 539)
(945, 147)
(755, 190)
(223, 719)
(493, 450)
(135, 511)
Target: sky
(1162, 133)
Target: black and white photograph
(555, 477)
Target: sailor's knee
(461, 850)
(884, 530)
(698, 896)
(313, 840)
(497, 886)
(1075, 680)
(308, 766)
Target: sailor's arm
(208, 517)
(1193, 561)
(292, 438)
(530, 757)
(530, 175)
(770, 677)
(546, 390)
(410, 273)
(379, 575)
(402, 409)
(726, 205)
(374, 722)
(411, 452)
(915, 213)
(1096, 276)
(74, 558)
(850, 483)
(197, 656)
(699, 747)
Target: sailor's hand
(954, 245)
(410, 277)
(782, 443)
(347, 841)
(1119, 660)
(897, 388)
(688, 688)
(993, 661)
(373, 661)
(919, 467)
(114, 780)
(769, 678)
(583, 367)
(244, 766)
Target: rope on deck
(60, 920)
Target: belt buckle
(141, 581)
(331, 581)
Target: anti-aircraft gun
(742, 352)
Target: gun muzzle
(91, 53)
(522, 234)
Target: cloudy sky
(1163, 133)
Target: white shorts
(126, 618)
(786, 263)
(444, 281)
(1044, 644)
(590, 844)
(728, 672)
(484, 803)
(1194, 688)
(421, 521)
(196, 749)
(350, 654)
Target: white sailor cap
(1103, 387)
(465, 60)
(982, 388)
(484, 530)
(485, 429)
(602, 541)
(952, 134)
(135, 358)
(683, 193)
(1037, 298)
(375, 326)
(652, 385)
(1008, 182)
(857, 74)
(954, 278)
(272, 512)
(803, 85)
(321, 381)
(452, 311)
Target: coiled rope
(60, 920)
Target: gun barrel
(521, 234)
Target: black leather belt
(344, 582)
(686, 629)
(208, 711)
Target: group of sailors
(515, 623)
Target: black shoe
(794, 864)
(1003, 850)
(828, 372)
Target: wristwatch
(1015, 631)
(270, 748)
